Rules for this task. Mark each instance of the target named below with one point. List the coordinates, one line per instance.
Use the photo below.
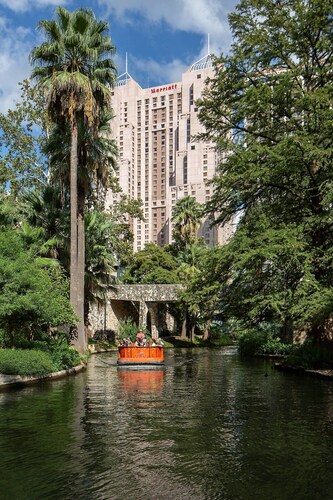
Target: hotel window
(191, 95)
(185, 170)
(188, 130)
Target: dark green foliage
(64, 356)
(26, 362)
(275, 346)
(39, 358)
(251, 342)
(218, 338)
(152, 265)
(269, 111)
(31, 297)
(97, 155)
(186, 217)
(127, 329)
(310, 356)
(100, 254)
(262, 341)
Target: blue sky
(161, 37)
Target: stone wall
(139, 302)
(147, 293)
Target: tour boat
(140, 356)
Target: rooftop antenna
(205, 61)
(124, 77)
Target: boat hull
(140, 356)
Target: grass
(26, 362)
(38, 361)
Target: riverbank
(323, 374)
(7, 381)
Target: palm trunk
(73, 220)
(82, 341)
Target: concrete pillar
(143, 310)
(153, 317)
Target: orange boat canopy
(152, 355)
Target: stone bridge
(147, 305)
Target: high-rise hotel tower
(159, 162)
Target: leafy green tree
(9, 211)
(120, 212)
(153, 264)
(202, 295)
(107, 233)
(31, 297)
(23, 132)
(74, 67)
(269, 111)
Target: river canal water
(206, 426)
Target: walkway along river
(206, 426)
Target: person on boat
(126, 342)
(140, 338)
(159, 342)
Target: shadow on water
(207, 425)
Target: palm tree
(101, 258)
(96, 162)
(97, 155)
(42, 209)
(75, 68)
(186, 217)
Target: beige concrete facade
(159, 161)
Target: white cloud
(14, 63)
(164, 72)
(25, 5)
(203, 17)
(196, 16)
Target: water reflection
(140, 380)
(206, 426)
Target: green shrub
(128, 329)
(251, 341)
(2, 338)
(25, 362)
(62, 354)
(310, 356)
(262, 340)
(275, 346)
(65, 357)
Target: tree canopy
(74, 67)
(269, 111)
(31, 296)
(153, 264)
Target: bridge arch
(147, 305)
